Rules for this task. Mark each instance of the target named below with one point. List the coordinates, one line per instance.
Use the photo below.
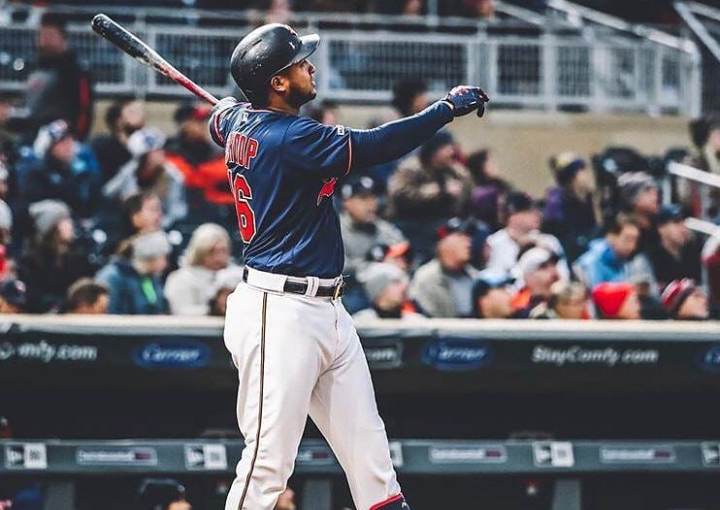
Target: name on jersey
(240, 150)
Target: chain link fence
(547, 72)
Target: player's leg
(278, 361)
(344, 409)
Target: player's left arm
(218, 118)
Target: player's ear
(279, 83)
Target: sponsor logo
(26, 456)
(553, 454)
(396, 454)
(172, 353)
(384, 356)
(710, 454)
(494, 454)
(116, 456)
(608, 356)
(46, 352)
(457, 354)
(710, 358)
(637, 454)
(206, 456)
(315, 455)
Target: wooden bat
(130, 44)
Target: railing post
(549, 48)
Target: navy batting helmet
(265, 52)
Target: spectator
(491, 296)
(568, 300)
(134, 281)
(640, 199)
(228, 279)
(6, 224)
(149, 171)
(60, 87)
(162, 494)
(361, 227)
(88, 297)
(286, 501)
(412, 8)
(711, 261)
(489, 189)
(60, 168)
(537, 267)
(569, 211)
(200, 161)
(13, 296)
(386, 287)
(327, 112)
(685, 300)
(677, 255)
(705, 135)
(613, 258)
(410, 97)
(122, 118)
(522, 214)
(189, 290)
(481, 9)
(443, 286)
(615, 300)
(53, 261)
(4, 179)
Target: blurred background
(537, 292)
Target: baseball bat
(130, 44)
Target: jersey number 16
(246, 217)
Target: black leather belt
(294, 287)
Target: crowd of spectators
(139, 222)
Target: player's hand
(466, 99)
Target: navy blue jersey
(283, 170)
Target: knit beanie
(46, 214)
(565, 167)
(438, 140)
(675, 294)
(610, 296)
(6, 219)
(378, 276)
(631, 185)
(150, 245)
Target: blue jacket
(130, 292)
(600, 264)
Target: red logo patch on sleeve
(328, 188)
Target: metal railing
(545, 71)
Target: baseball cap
(519, 201)
(14, 292)
(379, 252)
(151, 245)
(438, 140)
(487, 280)
(194, 111)
(145, 140)
(675, 294)
(48, 213)
(456, 225)
(534, 259)
(376, 278)
(361, 186)
(669, 213)
(6, 219)
(610, 296)
(565, 166)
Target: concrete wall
(521, 142)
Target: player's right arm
(217, 121)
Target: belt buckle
(338, 290)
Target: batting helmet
(265, 52)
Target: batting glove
(465, 99)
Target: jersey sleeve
(218, 121)
(311, 147)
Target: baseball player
(294, 345)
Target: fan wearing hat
(640, 199)
(685, 300)
(432, 186)
(201, 162)
(60, 168)
(537, 268)
(162, 494)
(443, 286)
(13, 296)
(523, 217)
(52, 260)
(361, 227)
(569, 211)
(134, 281)
(386, 287)
(616, 300)
(150, 171)
(492, 296)
(677, 255)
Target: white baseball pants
(297, 356)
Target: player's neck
(278, 104)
